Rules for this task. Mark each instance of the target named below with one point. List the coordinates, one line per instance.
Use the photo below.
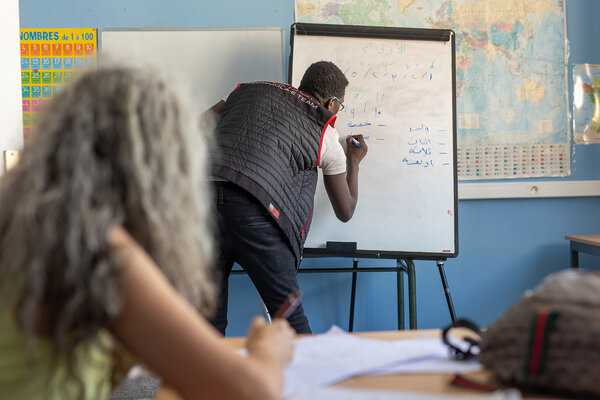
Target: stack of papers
(331, 357)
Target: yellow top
(32, 375)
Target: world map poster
(511, 76)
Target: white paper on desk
(336, 355)
(432, 366)
(335, 393)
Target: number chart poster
(51, 58)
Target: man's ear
(331, 106)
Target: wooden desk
(429, 383)
(426, 383)
(585, 243)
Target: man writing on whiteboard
(271, 138)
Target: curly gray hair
(116, 147)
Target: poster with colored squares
(51, 58)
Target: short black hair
(324, 79)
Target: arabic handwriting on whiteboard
(419, 162)
(360, 125)
(420, 141)
(423, 149)
(363, 124)
(423, 128)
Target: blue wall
(505, 246)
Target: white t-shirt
(333, 158)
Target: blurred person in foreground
(105, 238)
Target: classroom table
(583, 243)
(425, 383)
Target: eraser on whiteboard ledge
(341, 248)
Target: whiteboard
(206, 64)
(401, 97)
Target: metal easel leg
(400, 293)
(412, 294)
(440, 264)
(353, 295)
(408, 266)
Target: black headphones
(457, 353)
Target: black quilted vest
(269, 136)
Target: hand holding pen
(289, 305)
(356, 147)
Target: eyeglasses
(342, 106)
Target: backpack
(550, 339)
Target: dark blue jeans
(249, 236)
